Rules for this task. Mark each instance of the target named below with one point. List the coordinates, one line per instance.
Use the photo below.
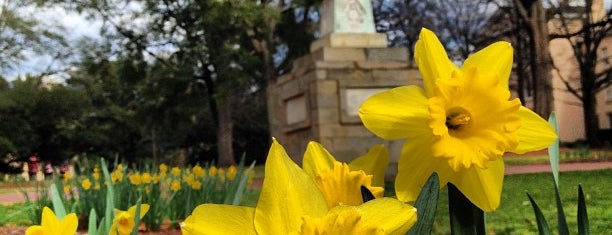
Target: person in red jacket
(33, 166)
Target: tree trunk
(225, 129)
(589, 102)
(591, 124)
(540, 65)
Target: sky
(77, 26)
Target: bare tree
(460, 25)
(585, 30)
(532, 12)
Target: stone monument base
(350, 40)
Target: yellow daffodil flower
(163, 168)
(212, 171)
(117, 175)
(291, 203)
(198, 171)
(175, 185)
(231, 172)
(459, 125)
(146, 178)
(86, 184)
(124, 220)
(196, 185)
(189, 178)
(135, 179)
(96, 175)
(176, 171)
(51, 225)
(340, 182)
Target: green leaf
(58, 205)
(91, 227)
(110, 201)
(583, 218)
(426, 205)
(101, 228)
(543, 228)
(242, 186)
(465, 217)
(561, 221)
(553, 150)
(136, 218)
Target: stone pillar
(319, 99)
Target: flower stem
(465, 217)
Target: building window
(604, 56)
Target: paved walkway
(577, 166)
(10, 198)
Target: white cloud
(76, 27)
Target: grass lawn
(567, 155)
(515, 214)
(14, 214)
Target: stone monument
(319, 99)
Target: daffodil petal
(69, 224)
(35, 230)
(396, 217)
(482, 186)
(494, 61)
(219, 219)
(432, 60)
(534, 134)
(397, 113)
(416, 165)
(113, 229)
(373, 163)
(144, 208)
(49, 220)
(317, 159)
(287, 194)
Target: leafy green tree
(39, 117)
(204, 46)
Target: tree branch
(568, 86)
(521, 10)
(602, 23)
(603, 80)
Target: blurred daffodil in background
(124, 222)
(459, 124)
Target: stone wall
(319, 99)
